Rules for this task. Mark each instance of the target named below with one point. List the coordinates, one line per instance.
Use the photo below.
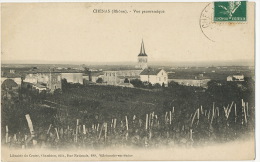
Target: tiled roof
(39, 85)
(150, 71)
(128, 77)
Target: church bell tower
(142, 58)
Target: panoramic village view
(59, 106)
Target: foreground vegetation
(172, 113)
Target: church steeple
(142, 58)
(142, 51)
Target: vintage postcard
(127, 81)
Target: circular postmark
(206, 21)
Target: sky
(72, 32)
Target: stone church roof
(150, 71)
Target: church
(118, 77)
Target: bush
(157, 85)
(137, 83)
(173, 84)
(99, 80)
(126, 80)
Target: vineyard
(101, 116)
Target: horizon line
(131, 63)
(65, 62)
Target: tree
(57, 92)
(126, 80)
(64, 84)
(88, 72)
(225, 91)
(137, 83)
(163, 85)
(173, 84)
(99, 80)
(157, 85)
(42, 95)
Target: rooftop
(39, 85)
(98, 73)
(128, 77)
(55, 70)
(186, 76)
(150, 71)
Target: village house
(50, 81)
(31, 78)
(73, 77)
(39, 87)
(154, 76)
(117, 77)
(192, 82)
(187, 80)
(233, 78)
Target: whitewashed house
(31, 78)
(73, 77)
(39, 87)
(49, 80)
(235, 78)
(118, 77)
(154, 76)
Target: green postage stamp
(230, 11)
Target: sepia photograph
(128, 81)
